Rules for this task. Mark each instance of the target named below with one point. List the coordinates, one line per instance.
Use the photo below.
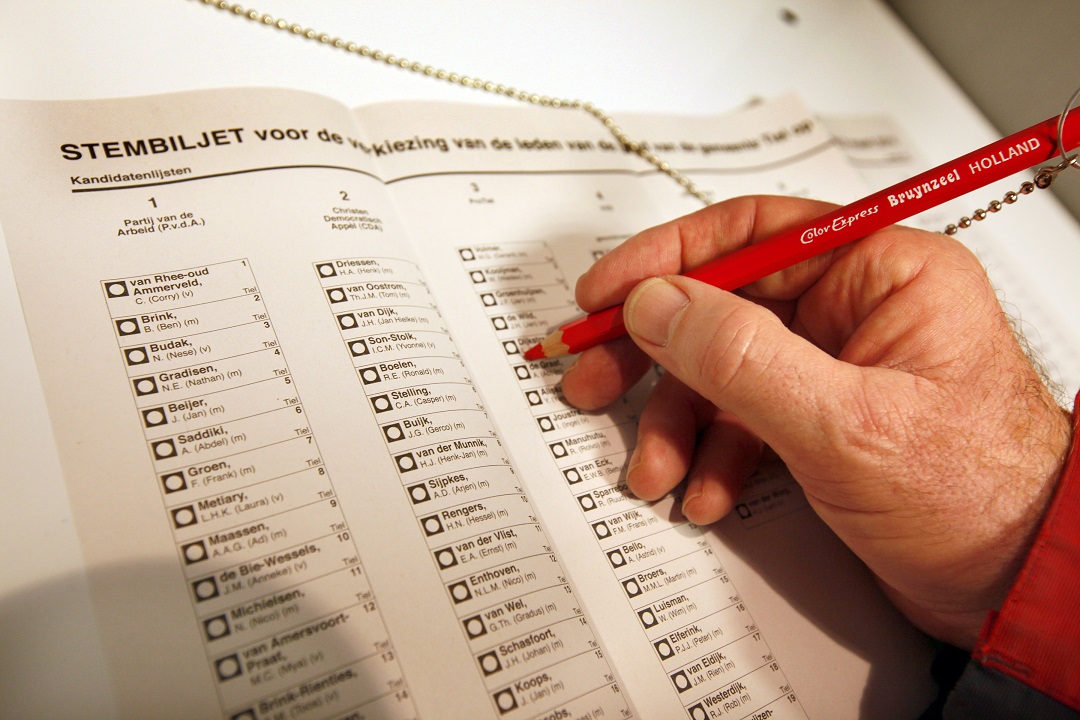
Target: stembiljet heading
(151, 146)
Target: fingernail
(693, 492)
(652, 310)
(634, 461)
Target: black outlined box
(505, 701)
(154, 417)
(144, 386)
(116, 289)
(697, 712)
(418, 493)
(474, 627)
(369, 375)
(336, 295)
(194, 552)
(205, 589)
(136, 355)
(445, 558)
(325, 270)
(173, 482)
(128, 326)
(347, 321)
(183, 517)
(489, 663)
(163, 449)
(228, 667)
(680, 681)
(217, 627)
(459, 592)
(432, 525)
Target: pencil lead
(536, 352)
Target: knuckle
(734, 349)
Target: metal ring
(1066, 160)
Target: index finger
(695, 239)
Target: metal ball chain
(992, 207)
(1044, 178)
(624, 140)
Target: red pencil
(996, 161)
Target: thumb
(742, 358)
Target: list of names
(290, 625)
(533, 647)
(701, 632)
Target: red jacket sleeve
(1032, 645)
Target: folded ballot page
(280, 344)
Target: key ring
(1044, 177)
(1061, 129)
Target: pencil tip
(550, 347)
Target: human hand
(884, 374)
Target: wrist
(1010, 526)
(1034, 636)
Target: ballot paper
(280, 344)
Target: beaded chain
(1044, 177)
(617, 132)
